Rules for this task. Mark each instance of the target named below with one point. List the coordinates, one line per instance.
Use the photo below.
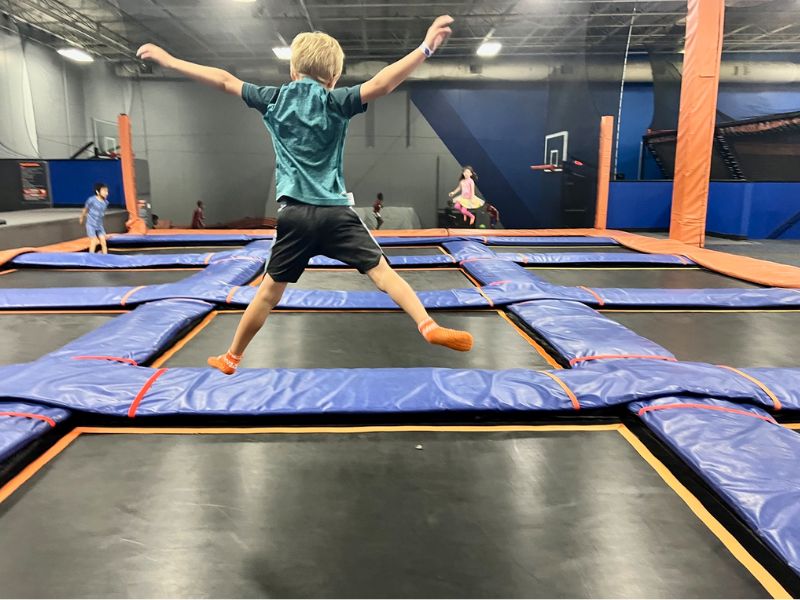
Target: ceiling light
(76, 54)
(283, 52)
(245, 1)
(489, 49)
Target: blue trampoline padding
(462, 250)
(581, 334)
(295, 299)
(110, 388)
(127, 239)
(414, 241)
(395, 261)
(569, 240)
(17, 430)
(492, 271)
(748, 459)
(697, 298)
(783, 383)
(139, 335)
(580, 258)
(77, 260)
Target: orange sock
(227, 363)
(450, 338)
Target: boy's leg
(293, 247)
(388, 280)
(267, 297)
(93, 243)
(103, 244)
(346, 238)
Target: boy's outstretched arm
(212, 76)
(393, 75)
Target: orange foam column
(696, 120)
(604, 170)
(134, 224)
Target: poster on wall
(35, 187)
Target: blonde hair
(317, 55)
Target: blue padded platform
(139, 335)
(567, 240)
(748, 459)
(395, 261)
(110, 388)
(462, 250)
(85, 260)
(580, 334)
(17, 430)
(591, 258)
(127, 239)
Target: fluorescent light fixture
(245, 1)
(489, 49)
(76, 54)
(283, 52)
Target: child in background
(308, 120)
(466, 199)
(198, 216)
(94, 210)
(377, 206)
(494, 215)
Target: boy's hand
(154, 54)
(438, 32)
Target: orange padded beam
(696, 120)
(604, 170)
(134, 223)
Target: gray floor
(782, 251)
(621, 277)
(55, 278)
(736, 339)
(486, 514)
(27, 337)
(347, 279)
(356, 339)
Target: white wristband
(425, 50)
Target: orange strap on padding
(581, 359)
(11, 413)
(489, 300)
(229, 297)
(776, 404)
(130, 293)
(147, 385)
(597, 296)
(572, 397)
(725, 409)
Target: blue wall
(758, 210)
(72, 181)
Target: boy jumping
(308, 121)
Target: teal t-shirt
(308, 123)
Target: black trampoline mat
(25, 337)
(737, 339)
(172, 249)
(56, 278)
(329, 340)
(621, 277)
(472, 514)
(352, 280)
(559, 249)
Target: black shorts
(308, 230)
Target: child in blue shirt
(308, 120)
(94, 211)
